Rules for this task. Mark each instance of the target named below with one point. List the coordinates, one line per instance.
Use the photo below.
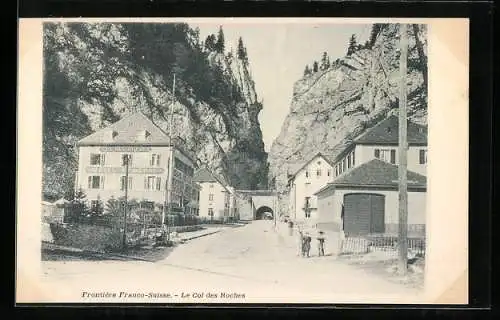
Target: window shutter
(102, 182)
(90, 182)
(157, 159)
(393, 156)
(145, 183)
(130, 182)
(377, 153)
(421, 160)
(103, 159)
(158, 183)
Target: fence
(381, 243)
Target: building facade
(381, 142)
(315, 174)
(363, 196)
(216, 197)
(159, 170)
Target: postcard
(242, 160)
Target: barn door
(356, 214)
(377, 205)
(363, 214)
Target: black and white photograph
(234, 161)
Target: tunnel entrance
(264, 213)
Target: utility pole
(403, 145)
(125, 209)
(168, 195)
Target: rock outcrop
(94, 74)
(331, 107)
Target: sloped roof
(205, 175)
(375, 173)
(387, 132)
(128, 130)
(328, 158)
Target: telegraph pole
(403, 145)
(168, 195)
(124, 243)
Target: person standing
(321, 244)
(306, 247)
(300, 243)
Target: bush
(87, 237)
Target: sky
(278, 53)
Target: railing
(383, 243)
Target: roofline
(391, 187)
(420, 144)
(224, 185)
(413, 187)
(292, 177)
(124, 144)
(346, 150)
(368, 130)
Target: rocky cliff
(330, 107)
(94, 74)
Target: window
(318, 173)
(155, 160)
(307, 174)
(211, 197)
(348, 161)
(387, 155)
(329, 172)
(126, 157)
(122, 183)
(336, 170)
(393, 156)
(422, 156)
(152, 183)
(352, 158)
(96, 182)
(210, 212)
(97, 159)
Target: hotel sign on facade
(125, 149)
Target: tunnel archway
(263, 213)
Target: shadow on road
(52, 253)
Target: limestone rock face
(331, 107)
(95, 74)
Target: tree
(220, 45)
(79, 205)
(374, 32)
(115, 210)
(210, 42)
(241, 51)
(325, 61)
(352, 45)
(315, 66)
(307, 71)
